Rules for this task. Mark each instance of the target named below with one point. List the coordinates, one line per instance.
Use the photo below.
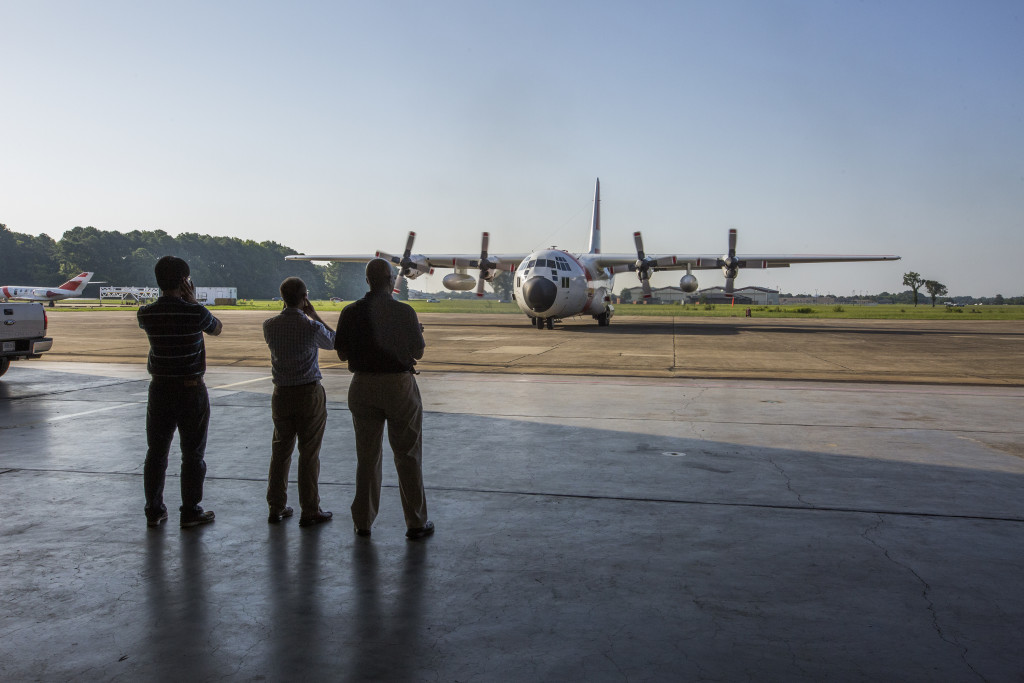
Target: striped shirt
(175, 330)
(293, 340)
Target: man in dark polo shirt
(175, 324)
(381, 339)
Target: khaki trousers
(394, 398)
(299, 414)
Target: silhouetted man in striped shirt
(175, 324)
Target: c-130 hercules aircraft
(553, 284)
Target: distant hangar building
(759, 296)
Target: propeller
(644, 264)
(407, 266)
(488, 268)
(730, 264)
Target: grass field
(842, 311)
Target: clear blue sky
(810, 126)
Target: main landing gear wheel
(604, 319)
(550, 323)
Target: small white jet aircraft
(73, 287)
(553, 284)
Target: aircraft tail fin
(76, 285)
(595, 225)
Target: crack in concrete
(925, 595)
(789, 482)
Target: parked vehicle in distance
(22, 332)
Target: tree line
(256, 269)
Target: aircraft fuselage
(34, 293)
(553, 283)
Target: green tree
(914, 281)
(28, 260)
(104, 252)
(935, 290)
(502, 286)
(626, 295)
(345, 281)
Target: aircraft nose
(539, 293)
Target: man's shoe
(318, 518)
(421, 532)
(362, 532)
(157, 519)
(276, 517)
(196, 517)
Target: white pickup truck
(22, 332)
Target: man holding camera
(299, 403)
(178, 400)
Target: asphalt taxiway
(590, 527)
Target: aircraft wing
(505, 262)
(710, 261)
(623, 262)
(351, 258)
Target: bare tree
(914, 281)
(935, 290)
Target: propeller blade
(483, 248)
(639, 241)
(398, 283)
(480, 286)
(408, 245)
(388, 257)
(642, 265)
(730, 264)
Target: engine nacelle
(458, 282)
(688, 283)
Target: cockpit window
(531, 264)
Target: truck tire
(4, 364)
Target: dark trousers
(183, 405)
(300, 415)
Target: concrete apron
(587, 528)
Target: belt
(193, 381)
(377, 374)
(298, 386)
